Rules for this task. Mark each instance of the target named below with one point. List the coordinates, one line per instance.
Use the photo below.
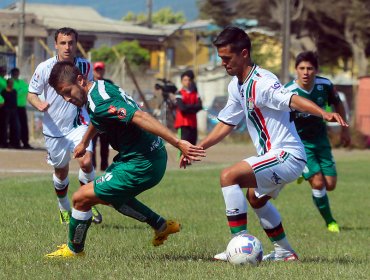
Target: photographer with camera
(188, 104)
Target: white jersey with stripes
(61, 117)
(264, 102)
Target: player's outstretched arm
(80, 149)
(304, 105)
(219, 132)
(37, 103)
(150, 124)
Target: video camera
(166, 87)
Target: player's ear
(80, 80)
(245, 53)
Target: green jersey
(323, 93)
(22, 90)
(2, 87)
(111, 111)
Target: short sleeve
(115, 110)
(274, 95)
(37, 82)
(233, 111)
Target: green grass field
(120, 248)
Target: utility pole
(286, 42)
(149, 4)
(22, 24)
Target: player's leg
(83, 199)
(322, 181)
(271, 223)
(321, 200)
(61, 184)
(59, 157)
(233, 179)
(272, 171)
(163, 228)
(87, 172)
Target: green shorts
(319, 159)
(124, 180)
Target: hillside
(118, 8)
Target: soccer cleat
(64, 252)
(333, 227)
(64, 217)
(221, 257)
(160, 237)
(97, 218)
(300, 180)
(288, 256)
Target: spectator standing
(3, 143)
(21, 87)
(9, 95)
(99, 72)
(188, 104)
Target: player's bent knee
(226, 177)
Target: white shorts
(60, 149)
(273, 170)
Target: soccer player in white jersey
(257, 95)
(64, 124)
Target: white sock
(319, 193)
(86, 177)
(235, 201)
(270, 218)
(63, 202)
(80, 215)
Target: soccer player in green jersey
(140, 163)
(320, 170)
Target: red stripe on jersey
(261, 118)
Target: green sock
(322, 204)
(139, 211)
(77, 234)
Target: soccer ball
(244, 249)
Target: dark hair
(65, 31)
(14, 71)
(235, 37)
(63, 71)
(309, 56)
(188, 73)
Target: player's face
(234, 63)
(306, 73)
(66, 46)
(73, 93)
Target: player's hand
(190, 151)
(80, 150)
(334, 117)
(184, 162)
(43, 106)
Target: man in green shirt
(21, 88)
(320, 170)
(3, 140)
(139, 165)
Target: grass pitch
(120, 248)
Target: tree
(161, 17)
(131, 50)
(335, 28)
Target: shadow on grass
(124, 227)
(349, 228)
(185, 257)
(338, 260)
